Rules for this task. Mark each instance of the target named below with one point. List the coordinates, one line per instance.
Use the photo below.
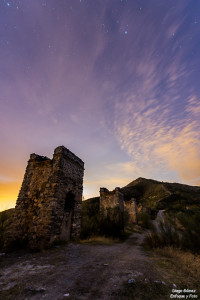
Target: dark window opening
(69, 202)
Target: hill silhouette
(159, 195)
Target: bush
(182, 231)
(165, 234)
(90, 218)
(5, 222)
(94, 223)
(191, 231)
(144, 220)
(112, 225)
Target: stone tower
(48, 207)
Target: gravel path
(76, 271)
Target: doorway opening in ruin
(69, 202)
(68, 215)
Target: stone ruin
(48, 207)
(130, 207)
(115, 198)
(111, 199)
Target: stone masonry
(111, 199)
(48, 207)
(115, 198)
(131, 209)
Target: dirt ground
(77, 271)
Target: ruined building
(48, 207)
(111, 199)
(130, 207)
(115, 198)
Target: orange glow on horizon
(8, 194)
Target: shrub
(90, 218)
(191, 231)
(94, 223)
(144, 219)
(5, 222)
(165, 234)
(182, 231)
(112, 225)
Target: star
(8, 4)
(125, 32)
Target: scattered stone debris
(36, 290)
(159, 282)
(40, 289)
(132, 280)
(62, 272)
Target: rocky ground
(78, 271)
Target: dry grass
(100, 240)
(183, 267)
(142, 291)
(130, 228)
(180, 231)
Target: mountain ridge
(161, 195)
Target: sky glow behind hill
(115, 81)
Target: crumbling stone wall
(131, 209)
(111, 199)
(115, 198)
(48, 207)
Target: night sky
(115, 81)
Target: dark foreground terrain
(116, 270)
(86, 271)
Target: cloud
(6, 179)
(8, 195)
(155, 138)
(193, 106)
(110, 176)
(181, 151)
(95, 85)
(156, 116)
(91, 188)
